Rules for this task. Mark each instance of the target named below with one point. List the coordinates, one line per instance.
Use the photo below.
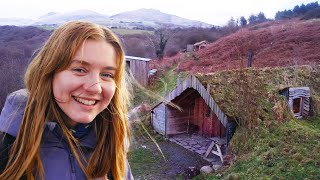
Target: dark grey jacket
(57, 158)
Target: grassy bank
(289, 150)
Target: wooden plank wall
(159, 118)
(198, 116)
(140, 70)
(177, 121)
(209, 124)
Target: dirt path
(178, 161)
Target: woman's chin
(82, 120)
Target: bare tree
(163, 39)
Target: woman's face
(87, 86)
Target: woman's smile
(85, 101)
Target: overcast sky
(216, 12)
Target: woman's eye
(79, 70)
(107, 75)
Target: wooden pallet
(217, 143)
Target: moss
(253, 94)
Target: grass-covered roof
(254, 93)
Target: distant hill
(15, 21)
(138, 19)
(60, 18)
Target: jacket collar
(53, 134)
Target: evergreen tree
(252, 19)
(296, 10)
(243, 21)
(261, 17)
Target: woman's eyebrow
(110, 68)
(85, 63)
(80, 62)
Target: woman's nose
(93, 85)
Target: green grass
(49, 28)
(115, 30)
(143, 162)
(131, 31)
(289, 150)
(144, 159)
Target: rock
(205, 170)
(216, 166)
(192, 172)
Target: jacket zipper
(71, 159)
(72, 163)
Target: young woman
(70, 122)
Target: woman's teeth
(84, 101)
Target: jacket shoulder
(12, 112)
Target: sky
(215, 12)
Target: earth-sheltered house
(211, 103)
(199, 112)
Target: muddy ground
(178, 161)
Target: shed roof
(128, 58)
(201, 42)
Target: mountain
(60, 18)
(158, 18)
(15, 21)
(138, 19)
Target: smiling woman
(70, 122)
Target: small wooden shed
(200, 45)
(139, 68)
(298, 100)
(200, 113)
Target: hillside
(17, 47)
(275, 43)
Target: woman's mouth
(84, 101)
